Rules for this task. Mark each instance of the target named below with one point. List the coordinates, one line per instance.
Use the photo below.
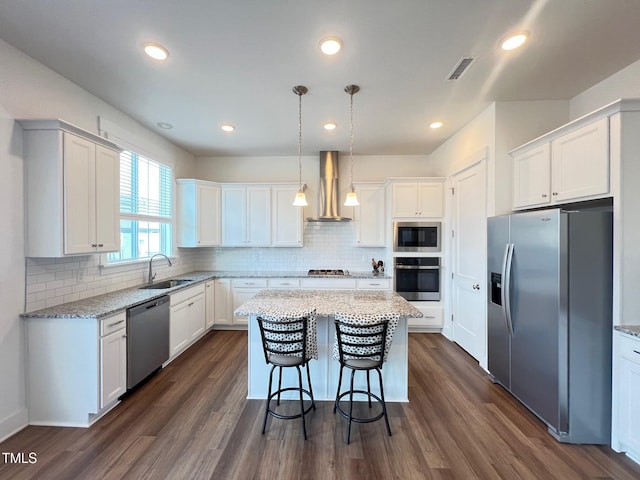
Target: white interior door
(469, 260)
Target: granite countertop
(329, 302)
(633, 330)
(114, 302)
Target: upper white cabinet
(369, 216)
(198, 213)
(246, 216)
(286, 219)
(72, 183)
(573, 166)
(417, 199)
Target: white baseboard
(13, 423)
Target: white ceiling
(237, 61)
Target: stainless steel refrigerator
(550, 317)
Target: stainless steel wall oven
(417, 278)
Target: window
(145, 208)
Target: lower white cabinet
(432, 318)
(76, 368)
(223, 314)
(242, 289)
(628, 420)
(187, 318)
(113, 358)
(210, 303)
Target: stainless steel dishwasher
(147, 339)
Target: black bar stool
(361, 344)
(289, 339)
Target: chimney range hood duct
(328, 195)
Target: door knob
(476, 286)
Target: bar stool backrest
(365, 336)
(285, 334)
(361, 341)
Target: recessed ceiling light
(330, 126)
(330, 45)
(514, 41)
(227, 127)
(156, 51)
(435, 125)
(166, 126)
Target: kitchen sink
(167, 284)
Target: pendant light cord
(300, 140)
(351, 137)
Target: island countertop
(329, 302)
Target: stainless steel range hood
(328, 195)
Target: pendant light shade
(300, 200)
(352, 198)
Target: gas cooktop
(327, 272)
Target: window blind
(145, 188)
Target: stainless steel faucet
(151, 274)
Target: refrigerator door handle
(506, 282)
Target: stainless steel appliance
(417, 278)
(324, 272)
(550, 317)
(416, 236)
(147, 339)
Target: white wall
(623, 84)
(30, 90)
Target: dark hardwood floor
(192, 421)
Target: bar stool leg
(279, 385)
(266, 411)
(369, 389)
(304, 427)
(353, 372)
(384, 404)
(313, 401)
(335, 404)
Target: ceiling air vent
(460, 68)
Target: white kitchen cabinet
(76, 368)
(570, 167)
(246, 216)
(187, 318)
(373, 283)
(210, 303)
(432, 317)
(286, 218)
(72, 188)
(223, 314)
(242, 289)
(330, 283)
(417, 199)
(369, 216)
(628, 411)
(532, 177)
(113, 359)
(199, 212)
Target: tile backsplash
(53, 281)
(326, 245)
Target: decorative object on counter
(352, 198)
(300, 200)
(378, 267)
(362, 342)
(289, 339)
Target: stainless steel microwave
(416, 236)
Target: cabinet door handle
(115, 323)
(544, 195)
(429, 316)
(636, 351)
(555, 193)
(94, 245)
(374, 284)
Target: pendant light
(352, 198)
(300, 200)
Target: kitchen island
(325, 370)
